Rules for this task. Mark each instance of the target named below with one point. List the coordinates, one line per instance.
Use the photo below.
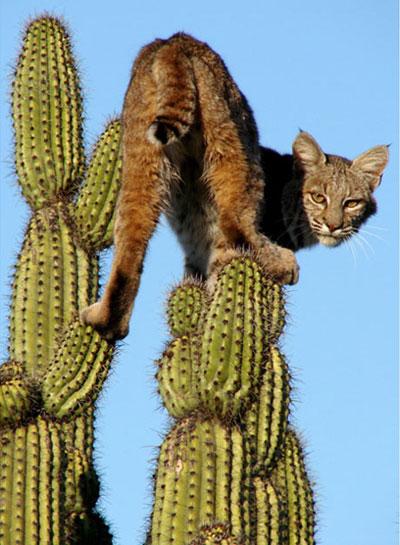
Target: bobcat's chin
(330, 240)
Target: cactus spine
(56, 367)
(231, 470)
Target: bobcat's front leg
(234, 176)
(237, 190)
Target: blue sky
(331, 69)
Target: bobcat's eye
(318, 198)
(353, 203)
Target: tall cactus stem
(230, 469)
(57, 366)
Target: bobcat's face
(337, 193)
(336, 200)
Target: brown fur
(190, 150)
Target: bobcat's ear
(307, 153)
(372, 163)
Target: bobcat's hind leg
(138, 210)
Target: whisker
(366, 242)
(379, 228)
(374, 235)
(349, 245)
(361, 244)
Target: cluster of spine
(56, 366)
(231, 470)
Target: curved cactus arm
(236, 334)
(16, 395)
(294, 489)
(266, 419)
(47, 114)
(178, 376)
(94, 210)
(185, 307)
(77, 373)
(51, 282)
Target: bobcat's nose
(333, 226)
(329, 227)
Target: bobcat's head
(337, 194)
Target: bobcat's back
(196, 112)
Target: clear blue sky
(329, 67)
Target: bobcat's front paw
(101, 320)
(282, 265)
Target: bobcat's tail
(176, 94)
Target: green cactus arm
(47, 114)
(291, 481)
(94, 210)
(238, 328)
(299, 495)
(77, 373)
(177, 376)
(49, 286)
(16, 396)
(185, 307)
(267, 418)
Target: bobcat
(190, 149)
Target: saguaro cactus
(231, 470)
(56, 366)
